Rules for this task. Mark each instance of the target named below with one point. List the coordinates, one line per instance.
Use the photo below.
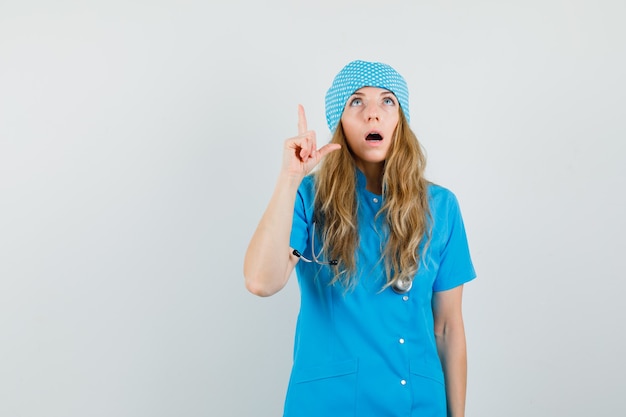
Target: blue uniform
(367, 352)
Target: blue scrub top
(367, 352)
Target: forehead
(373, 91)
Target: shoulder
(444, 206)
(307, 186)
(306, 190)
(308, 181)
(441, 197)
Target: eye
(356, 101)
(389, 101)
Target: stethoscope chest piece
(402, 286)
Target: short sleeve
(302, 214)
(455, 265)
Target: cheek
(393, 120)
(392, 124)
(349, 126)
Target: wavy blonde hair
(405, 209)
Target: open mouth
(374, 137)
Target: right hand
(300, 154)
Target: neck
(373, 176)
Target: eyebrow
(358, 93)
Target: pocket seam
(325, 371)
(417, 370)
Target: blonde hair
(405, 209)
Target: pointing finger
(302, 127)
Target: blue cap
(359, 74)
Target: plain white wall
(140, 141)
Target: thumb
(328, 148)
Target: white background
(140, 142)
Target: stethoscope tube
(401, 286)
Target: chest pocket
(326, 390)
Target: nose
(371, 112)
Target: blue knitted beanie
(359, 74)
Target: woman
(381, 258)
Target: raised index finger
(302, 128)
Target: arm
(268, 262)
(450, 338)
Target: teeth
(374, 136)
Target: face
(369, 120)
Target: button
(405, 298)
(401, 341)
(403, 382)
(375, 200)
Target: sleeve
(301, 216)
(455, 265)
